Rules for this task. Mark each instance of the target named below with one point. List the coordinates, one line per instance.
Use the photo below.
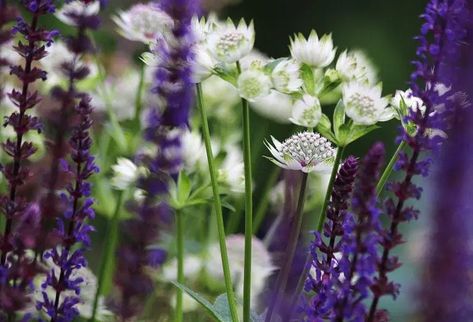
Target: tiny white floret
(313, 51)
(254, 83)
(286, 76)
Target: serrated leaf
(307, 75)
(338, 117)
(209, 307)
(357, 131)
(184, 186)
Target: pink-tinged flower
(143, 22)
(306, 152)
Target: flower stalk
(180, 264)
(389, 168)
(217, 205)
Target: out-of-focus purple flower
(359, 243)
(60, 120)
(325, 270)
(73, 227)
(173, 85)
(22, 217)
(7, 15)
(442, 36)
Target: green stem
(248, 207)
(139, 96)
(283, 275)
(218, 206)
(180, 264)
(111, 236)
(262, 208)
(389, 168)
(323, 211)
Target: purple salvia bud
(440, 41)
(321, 295)
(22, 217)
(173, 84)
(69, 256)
(359, 242)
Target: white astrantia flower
(57, 55)
(143, 22)
(365, 63)
(255, 59)
(313, 51)
(410, 102)
(122, 91)
(229, 43)
(254, 83)
(286, 76)
(193, 150)
(231, 172)
(306, 152)
(306, 111)
(77, 7)
(262, 264)
(276, 106)
(204, 62)
(125, 174)
(364, 103)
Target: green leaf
(307, 75)
(230, 76)
(324, 128)
(209, 307)
(343, 136)
(228, 206)
(357, 131)
(184, 186)
(271, 65)
(338, 117)
(222, 307)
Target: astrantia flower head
(364, 103)
(77, 8)
(306, 111)
(254, 83)
(353, 66)
(306, 151)
(143, 22)
(276, 106)
(229, 43)
(125, 174)
(286, 77)
(313, 51)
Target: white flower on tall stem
(229, 43)
(306, 111)
(276, 106)
(254, 83)
(364, 103)
(306, 152)
(231, 172)
(193, 150)
(204, 62)
(125, 174)
(143, 22)
(313, 51)
(286, 76)
(77, 8)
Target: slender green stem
(262, 208)
(248, 207)
(218, 207)
(111, 236)
(320, 224)
(389, 168)
(180, 264)
(139, 96)
(283, 275)
(323, 210)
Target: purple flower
(442, 35)
(22, 217)
(73, 227)
(359, 244)
(173, 85)
(325, 247)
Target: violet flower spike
(360, 241)
(173, 85)
(22, 217)
(442, 35)
(325, 247)
(73, 228)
